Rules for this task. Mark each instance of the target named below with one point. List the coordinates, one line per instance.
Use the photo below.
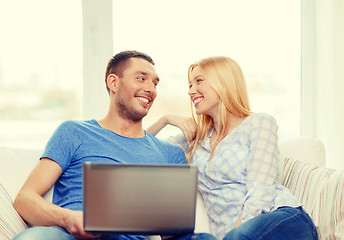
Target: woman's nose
(191, 91)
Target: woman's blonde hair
(226, 78)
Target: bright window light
(40, 69)
(262, 36)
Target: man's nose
(150, 87)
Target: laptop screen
(139, 199)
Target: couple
(234, 149)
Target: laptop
(139, 199)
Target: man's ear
(112, 82)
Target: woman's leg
(43, 233)
(283, 224)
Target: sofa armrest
(11, 223)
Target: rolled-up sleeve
(262, 168)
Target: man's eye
(141, 78)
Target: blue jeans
(57, 233)
(285, 223)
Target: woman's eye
(199, 80)
(141, 78)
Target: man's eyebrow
(145, 74)
(141, 73)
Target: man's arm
(31, 205)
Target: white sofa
(302, 170)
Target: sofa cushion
(306, 149)
(11, 223)
(321, 192)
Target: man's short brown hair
(118, 63)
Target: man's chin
(139, 116)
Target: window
(41, 57)
(262, 36)
(40, 69)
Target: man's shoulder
(74, 124)
(157, 140)
(173, 152)
(164, 144)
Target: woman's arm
(156, 127)
(262, 168)
(186, 124)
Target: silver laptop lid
(139, 199)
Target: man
(131, 81)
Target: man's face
(136, 89)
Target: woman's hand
(186, 124)
(238, 223)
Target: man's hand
(74, 225)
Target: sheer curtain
(323, 76)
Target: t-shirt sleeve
(174, 153)
(180, 141)
(180, 156)
(61, 145)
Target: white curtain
(323, 76)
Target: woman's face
(204, 97)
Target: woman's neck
(233, 122)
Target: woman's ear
(112, 82)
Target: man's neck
(123, 127)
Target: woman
(236, 153)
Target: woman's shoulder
(261, 119)
(259, 116)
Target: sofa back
(306, 149)
(17, 163)
(15, 166)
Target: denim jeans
(285, 223)
(57, 233)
